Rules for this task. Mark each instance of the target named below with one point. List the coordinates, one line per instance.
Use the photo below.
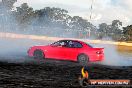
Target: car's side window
(70, 44)
(55, 44)
(74, 44)
(77, 44)
(63, 43)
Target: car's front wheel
(83, 59)
(38, 54)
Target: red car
(72, 50)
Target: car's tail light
(99, 52)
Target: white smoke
(113, 57)
(15, 50)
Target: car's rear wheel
(83, 59)
(38, 54)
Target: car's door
(73, 49)
(57, 50)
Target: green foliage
(111, 30)
(115, 26)
(8, 3)
(56, 17)
(103, 27)
(128, 32)
(51, 17)
(79, 23)
(24, 14)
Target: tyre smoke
(113, 57)
(15, 50)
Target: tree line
(25, 18)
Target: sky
(104, 11)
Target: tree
(82, 26)
(103, 30)
(115, 27)
(116, 23)
(6, 19)
(52, 16)
(127, 31)
(78, 23)
(113, 30)
(103, 27)
(8, 4)
(24, 14)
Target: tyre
(83, 59)
(38, 54)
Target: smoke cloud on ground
(15, 50)
(113, 57)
